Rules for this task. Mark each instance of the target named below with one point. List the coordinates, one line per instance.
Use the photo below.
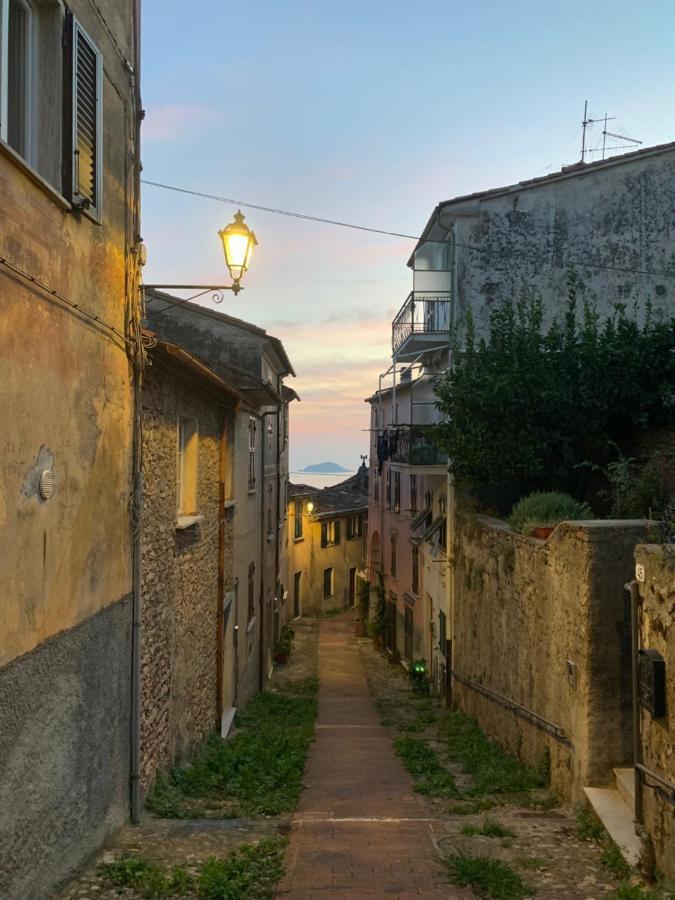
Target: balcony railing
(415, 448)
(420, 314)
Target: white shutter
(83, 163)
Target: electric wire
(81, 310)
(567, 263)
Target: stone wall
(546, 624)
(657, 632)
(180, 577)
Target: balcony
(415, 448)
(423, 322)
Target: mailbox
(652, 672)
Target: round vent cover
(46, 484)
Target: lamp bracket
(236, 287)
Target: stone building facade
(187, 558)
(69, 297)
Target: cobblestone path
(360, 831)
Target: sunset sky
(367, 112)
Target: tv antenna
(627, 141)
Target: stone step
(618, 820)
(625, 785)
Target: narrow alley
(360, 829)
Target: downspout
(261, 604)
(278, 522)
(451, 503)
(220, 637)
(136, 804)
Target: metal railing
(415, 447)
(420, 314)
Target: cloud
(172, 121)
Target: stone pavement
(360, 831)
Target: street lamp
(238, 242)
(310, 507)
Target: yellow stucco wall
(306, 555)
(65, 395)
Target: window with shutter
(83, 156)
(324, 534)
(251, 453)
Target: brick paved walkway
(360, 831)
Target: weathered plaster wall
(657, 632)
(64, 751)
(309, 557)
(524, 609)
(180, 576)
(620, 215)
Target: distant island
(325, 467)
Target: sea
(319, 479)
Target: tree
(526, 407)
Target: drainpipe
(136, 804)
(220, 637)
(451, 503)
(261, 603)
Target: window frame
(31, 51)
(330, 533)
(297, 525)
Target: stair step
(618, 820)
(625, 785)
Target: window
(297, 595)
(354, 528)
(392, 556)
(186, 474)
(328, 582)
(408, 634)
(252, 428)
(85, 75)
(413, 495)
(415, 581)
(388, 487)
(330, 533)
(397, 492)
(251, 592)
(18, 39)
(297, 528)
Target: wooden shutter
(324, 534)
(82, 119)
(336, 532)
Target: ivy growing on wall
(528, 406)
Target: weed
(258, 771)
(489, 828)
(613, 860)
(628, 891)
(533, 863)
(589, 827)
(250, 872)
(492, 769)
(489, 877)
(471, 807)
(422, 762)
(147, 879)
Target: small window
(415, 581)
(186, 475)
(252, 428)
(328, 582)
(330, 533)
(413, 495)
(297, 528)
(392, 556)
(251, 592)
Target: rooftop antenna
(628, 141)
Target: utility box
(652, 673)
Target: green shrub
(546, 508)
(489, 877)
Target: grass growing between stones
(422, 761)
(488, 877)
(250, 872)
(488, 828)
(590, 828)
(257, 771)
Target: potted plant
(537, 514)
(283, 647)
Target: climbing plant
(526, 406)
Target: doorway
(297, 587)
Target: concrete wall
(180, 575)
(66, 401)
(657, 632)
(64, 751)
(546, 624)
(618, 214)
